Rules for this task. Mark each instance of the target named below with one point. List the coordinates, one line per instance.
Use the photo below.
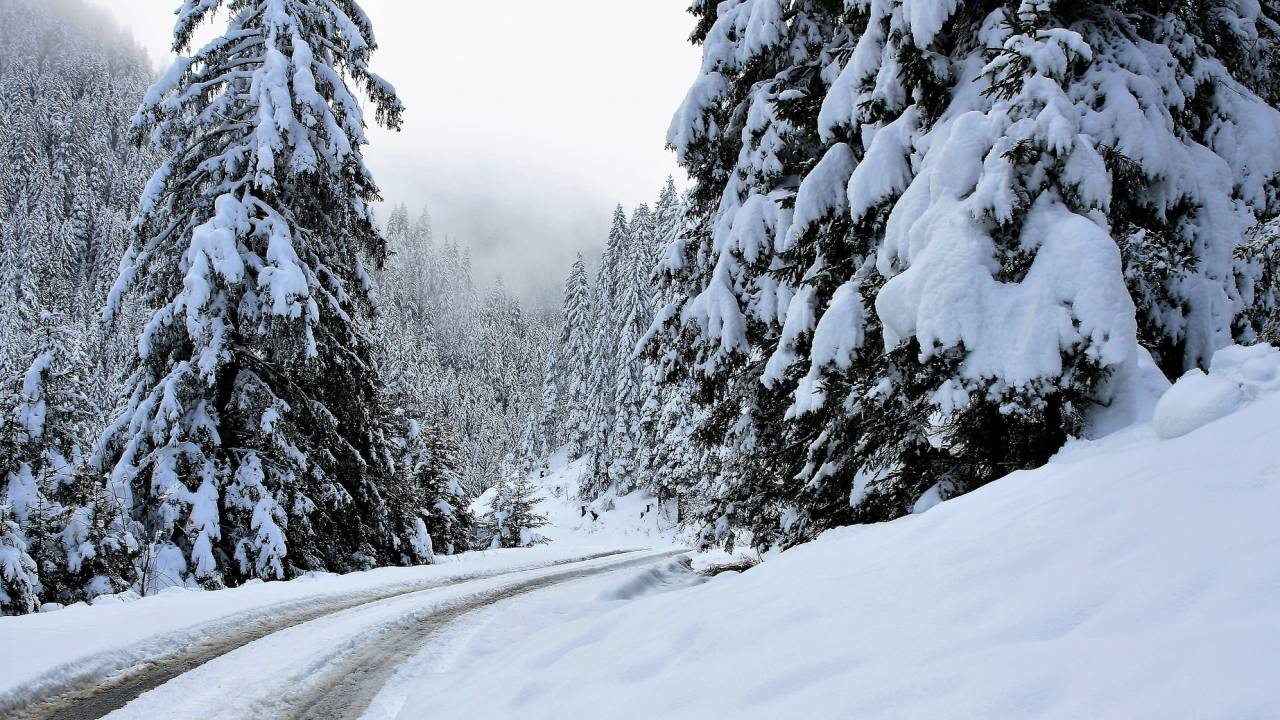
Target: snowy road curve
(319, 661)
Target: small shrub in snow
(513, 520)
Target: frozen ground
(1134, 576)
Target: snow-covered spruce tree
(449, 517)
(633, 313)
(989, 179)
(1263, 253)
(513, 520)
(77, 537)
(19, 581)
(564, 384)
(601, 378)
(253, 440)
(668, 219)
(412, 270)
(508, 355)
(1085, 136)
(669, 461)
(429, 506)
(433, 506)
(746, 134)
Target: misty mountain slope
(1131, 577)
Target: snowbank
(1132, 577)
(1237, 376)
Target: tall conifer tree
(253, 443)
(893, 205)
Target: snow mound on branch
(1238, 376)
(1072, 297)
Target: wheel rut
(96, 697)
(346, 691)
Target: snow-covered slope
(1134, 576)
(610, 521)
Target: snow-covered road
(314, 659)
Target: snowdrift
(1135, 576)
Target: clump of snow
(672, 575)
(1237, 376)
(1128, 397)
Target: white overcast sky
(527, 121)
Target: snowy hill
(609, 521)
(1134, 576)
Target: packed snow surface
(1133, 576)
(40, 652)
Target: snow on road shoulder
(42, 652)
(1132, 577)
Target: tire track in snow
(92, 696)
(346, 690)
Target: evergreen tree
(253, 441)
(745, 134)
(631, 318)
(601, 378)
(432, 508)
(513, 520)
(612, 398)
(668, 217)
(19, 582)
(79, 546)
(564, 387)
(924, 242)
(69, 82)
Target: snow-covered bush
(513, 519)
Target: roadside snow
(1131, 577)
